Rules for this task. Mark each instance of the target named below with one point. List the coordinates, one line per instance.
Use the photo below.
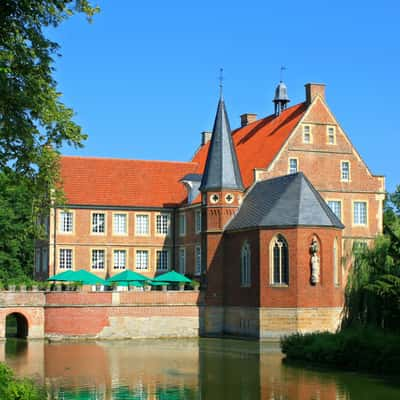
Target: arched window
(279, 261)
(245, 271)
(335, 263)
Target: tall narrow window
(245, 271)
(162, 224)
(98, 223)
(293, 165)
(280, 261)
(98, 259)
(197, 260)
(336, 207)
(120, 224)
(45, 259)
(142, 260)
(335, 263)
(306, 134)
(331, 135)
(198, 221)
(119, 259)
(360, 213)
(182, 224)
(182, 260)
(345, 171)
(142, 224)
(37, 259)
(66, 221)
(65, 260)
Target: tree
(34, 123)
(373, 289)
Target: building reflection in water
(204, 369)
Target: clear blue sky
(143, 77)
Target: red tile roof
(118, 182)
(258, 143)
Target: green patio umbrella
(157, 283)
(128, 276)
(130, 283)
(172, 277)
(62, 276)
(86, 277)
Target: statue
(315, 267)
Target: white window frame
(140, 260)
(182, 260)
(290, 171)
(335, 201)
(358, 221)
(197, 260)
(96, 263)
(163, 224)
(345, 175)
(307, 131)
(117, 264)
(140, 232)
(328, 135)
(63, 224)
(64, 259)
(95, 226)
(197, 221)
(162, 260)
(116, 225)
(182, 224)
(281, 283)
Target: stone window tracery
(279, 261)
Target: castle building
(265, 216)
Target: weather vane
(283, 68)
(221, 80)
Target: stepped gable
(286, 201)
(258, 143)
(120, 182)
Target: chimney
(246, 119)
(313, 90)
(205, 137)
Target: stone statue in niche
(315, 266)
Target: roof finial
(283, 68)
(221, 79)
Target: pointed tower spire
(222, 168)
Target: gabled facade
(152, 216)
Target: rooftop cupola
(222, 169)
(281, 98)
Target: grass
(367, 350)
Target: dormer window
(306, 134)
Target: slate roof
(289, 200)
(258, 143)
(221, 168)
(120, 182)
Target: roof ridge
(127, 159)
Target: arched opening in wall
(16, 326)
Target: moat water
(182, 369)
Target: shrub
(367, 349)
(12, 388)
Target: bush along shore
(368, 350)
(12, 388)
